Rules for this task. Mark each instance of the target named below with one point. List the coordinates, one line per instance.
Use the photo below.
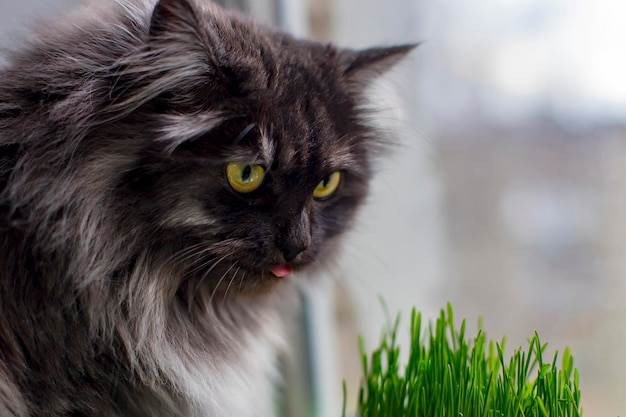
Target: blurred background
(506, 194)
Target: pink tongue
(281, 271)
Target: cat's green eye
(328, 185)
(244, 178)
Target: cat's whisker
(192, 252)
(241, 280)
(201, 248)
(219, 283)
(215, 249)
(186, 250)
(204, 276)
(211, 268)
(200, 256)
(231, 283)
(185, 254)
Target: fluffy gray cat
(164, 168)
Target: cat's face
(258, 195)
(258, 155)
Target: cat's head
(259, 152)
(237, 153)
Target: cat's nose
(295, 236)
(290, 251)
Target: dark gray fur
(127, 263)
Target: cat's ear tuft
(173, 18)
(365, 65)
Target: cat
(167, 169)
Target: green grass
(449, 375)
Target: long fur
(134, 281)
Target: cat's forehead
(332, 154)
(285, 150)
(299, 115)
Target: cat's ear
(175, 59)
(174, 20)
(365, 65)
